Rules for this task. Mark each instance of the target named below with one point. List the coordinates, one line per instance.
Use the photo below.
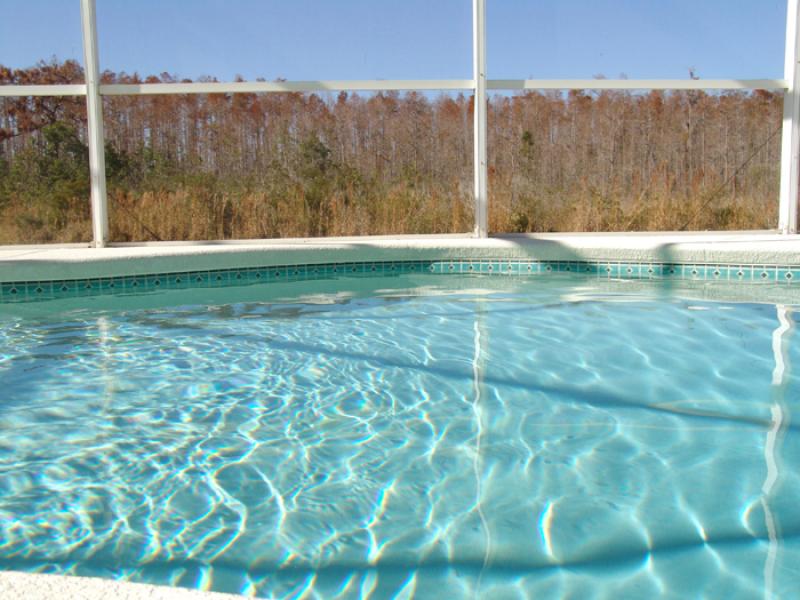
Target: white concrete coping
(43, 263)
(37, 586)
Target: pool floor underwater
(439, 437)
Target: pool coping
(40, 263)
(15, 585)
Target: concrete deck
(42, 263)
(30, 586)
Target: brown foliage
(617, 161)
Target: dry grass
(37, 224)
(198, 214)
(588, 213)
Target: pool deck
(29, 586)
(41, 263)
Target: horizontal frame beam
(261, 87)
(77, 89)
(638, 84)
(379, 85)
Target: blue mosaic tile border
(31, 291)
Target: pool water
(436, 438)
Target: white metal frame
(637, 84)
(94, 117)
(479, 85)
(790, 142)
(266, 87)
(76, 89)
(480, 140)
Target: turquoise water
(560, 438)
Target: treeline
(289, 165)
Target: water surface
(559, 438)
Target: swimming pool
(415, 436)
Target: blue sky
(407, 39)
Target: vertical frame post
(94, 111)
(790, 143)
(481, 107)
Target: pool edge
(46, 264)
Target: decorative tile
(787, 275)
(615, 270)
(42, 289)
(13, 292)
(70, 288)
(766, 273)
(136, 284)
(652, 271)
